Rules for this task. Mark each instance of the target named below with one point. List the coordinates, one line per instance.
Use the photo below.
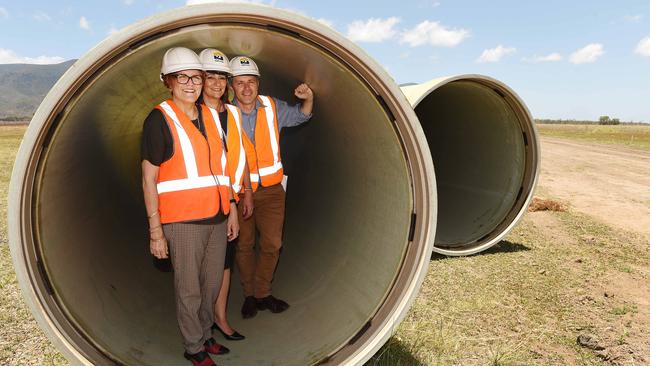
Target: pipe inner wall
(354, 252)
(485, 149)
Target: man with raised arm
(262, 119)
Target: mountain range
(23, 87)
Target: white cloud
(84, 23)
(633, 18)
(372, 30)
(587, 54)
(643, 48)
(10, 57)
(327, 22)
(551, 57)
(434, 34)
(4, 13)
(128, 2)
(42, 17)
(495, 54)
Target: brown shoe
(249, 309)
(271, 303)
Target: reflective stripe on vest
(236, 155)
(196, 182)
(241, 160)
(269, 162)
(185, 194)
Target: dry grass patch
(546, 204)
(637, 136)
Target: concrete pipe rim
(419, 92)
(43, 125)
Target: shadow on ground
(394, 353)
(503, 246)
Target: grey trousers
(197, 253)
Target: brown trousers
(256, 273)
(197, 253)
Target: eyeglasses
(184, 79)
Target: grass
(523, 302)
(21, 340)
(625, 309)
(10, 137)
(637, 136)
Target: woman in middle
(215, 96)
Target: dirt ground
(610, 183)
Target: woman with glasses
(189, 199)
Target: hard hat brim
(244, 73)
(174, 69)
(219, 69)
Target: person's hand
(158, 244)
(233, 223)
(247, 205)
(303, 91)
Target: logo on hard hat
(217, 56)
(244, 61)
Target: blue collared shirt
(288, 116)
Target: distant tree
(605, 120)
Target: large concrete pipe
(361, 201)
(485, 149)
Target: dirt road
(610, 183)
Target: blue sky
(566, 59)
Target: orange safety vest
(192, 184)
(251, 159)
(236, 153)
(267, 169)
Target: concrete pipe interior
(485, 150)
(358, 171)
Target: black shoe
(199, 359)
(235, 336)
(271, 303)
(249, 309)
(211, 346)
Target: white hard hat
(214, 60)
(179, 58)
(242, 65)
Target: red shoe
(200, 359)
(215, 348)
